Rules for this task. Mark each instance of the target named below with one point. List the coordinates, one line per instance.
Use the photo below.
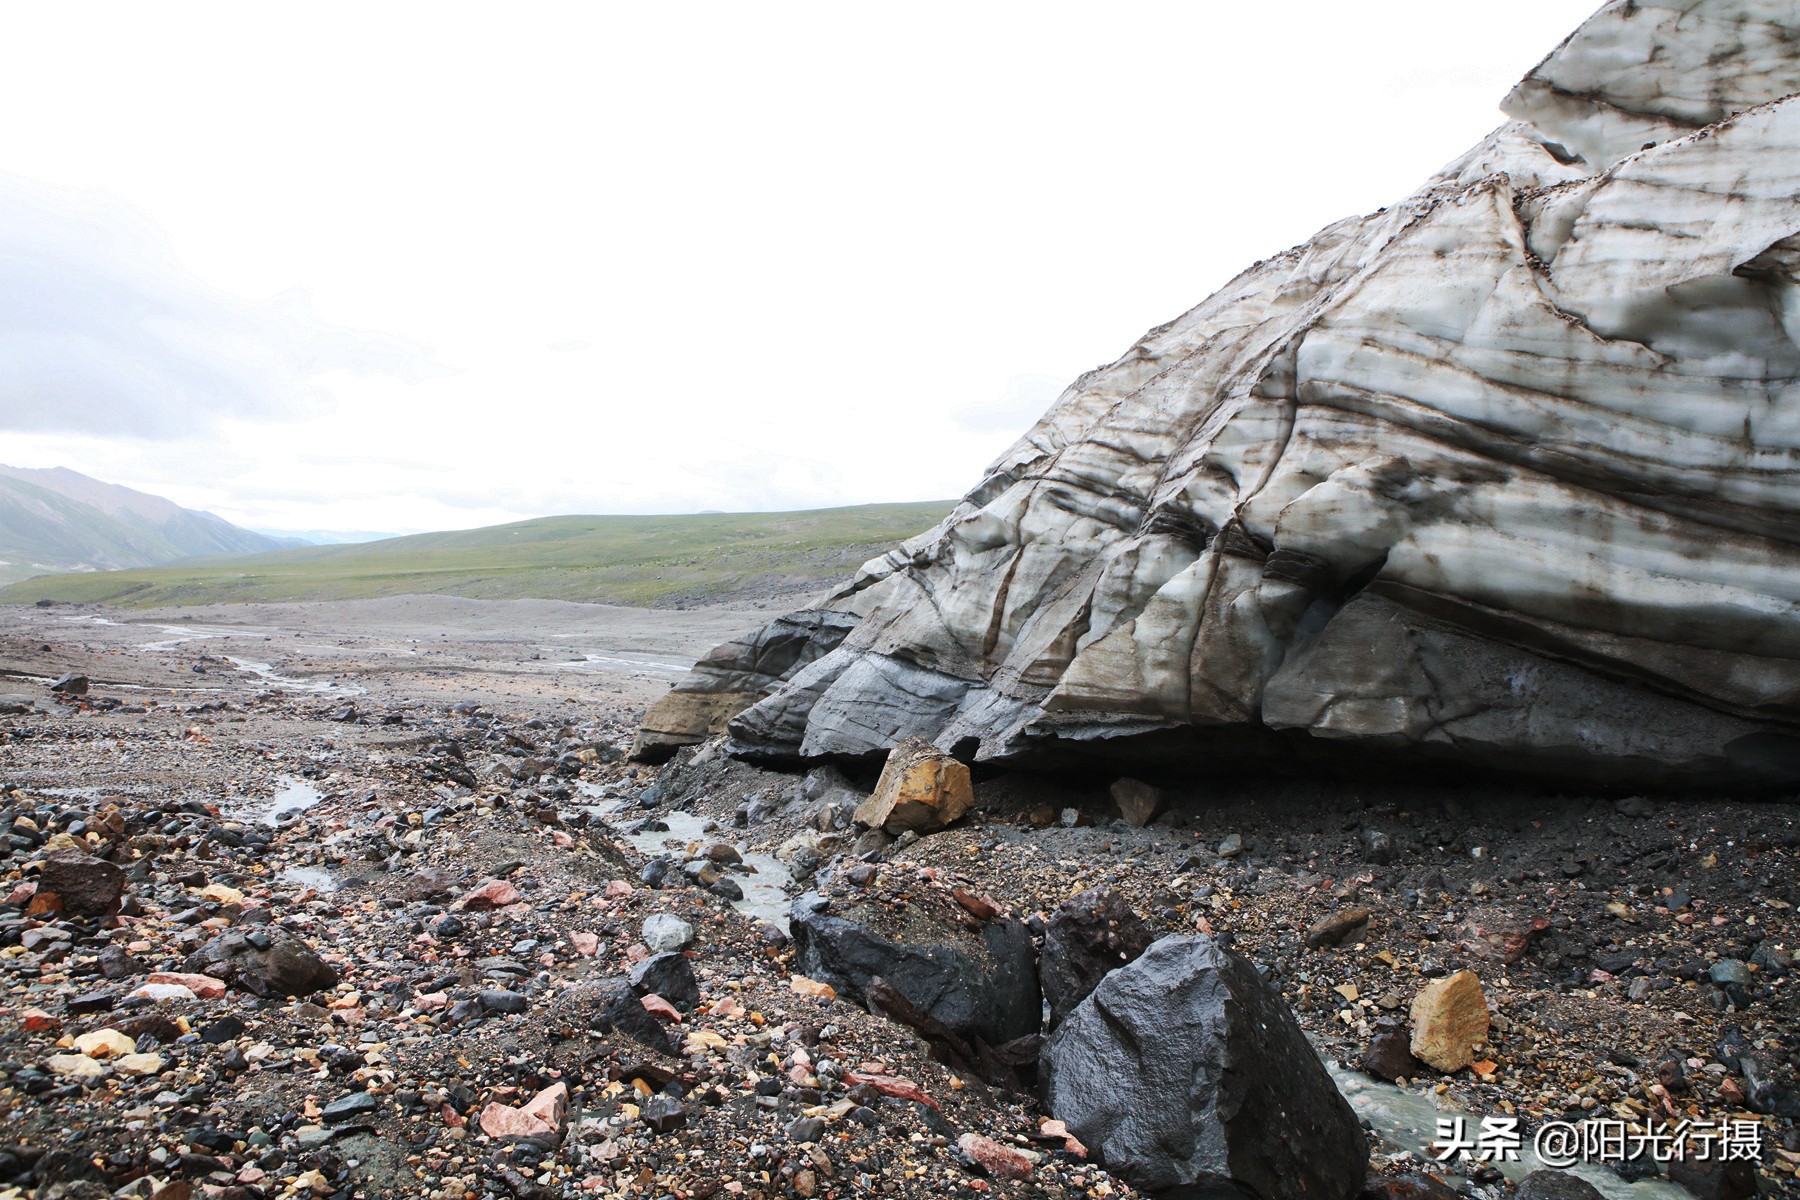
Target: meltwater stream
(181, 635)
(1409, 1120)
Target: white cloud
(101, 332)
(670, 258)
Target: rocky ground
(418, 850)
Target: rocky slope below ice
(1504, 474)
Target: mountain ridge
(58, 520)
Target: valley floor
(354, 773)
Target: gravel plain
(414, 789)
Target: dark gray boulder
(616, 1008)
(86, 886)
(669, 976)
(1088, 935)
(980, 984)
(1185, 1074)
(267, 961)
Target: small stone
(659, 1008)
(104, 1043)
(1556, 1185)
(539, 1121)
(669, 976)
(1711, 1179)
(663, 1114)
(1337, 928)
(665, 933)
(162, 993)
(351, 1106)
(800, 985)
(494, 893)
(224, 1029)
(1389, 1056)
(1449, 1019)
(920, 788)
(86, 886)
(503, 1002)
(1138, 802)
(1378, 846)
(1231, 846)
(75, 1066)
(1000, 1161)
(70, 684)
(138, 1064)
(36, 1020)
(206, 987)
(806, 1129)
(264, 962)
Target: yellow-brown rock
(685, 719)
(1449, 1019)
(921, 788)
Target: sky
(405, 266)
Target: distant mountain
(56, 520)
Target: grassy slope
(651, 561)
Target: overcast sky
(421, 266)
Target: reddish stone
(890, 1085)
(657, 1007)
(979, 907)
(36, 1020)
(1002, 1162)
(541, 1120)
(495, 893)
(204, 986)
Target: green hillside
(646, 561)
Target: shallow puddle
(766, 884)
(317, 878)
(294, 797)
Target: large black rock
(977, 984)
(1186, 1075)
(267, 961)
(1088, 935)
(670, 976)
